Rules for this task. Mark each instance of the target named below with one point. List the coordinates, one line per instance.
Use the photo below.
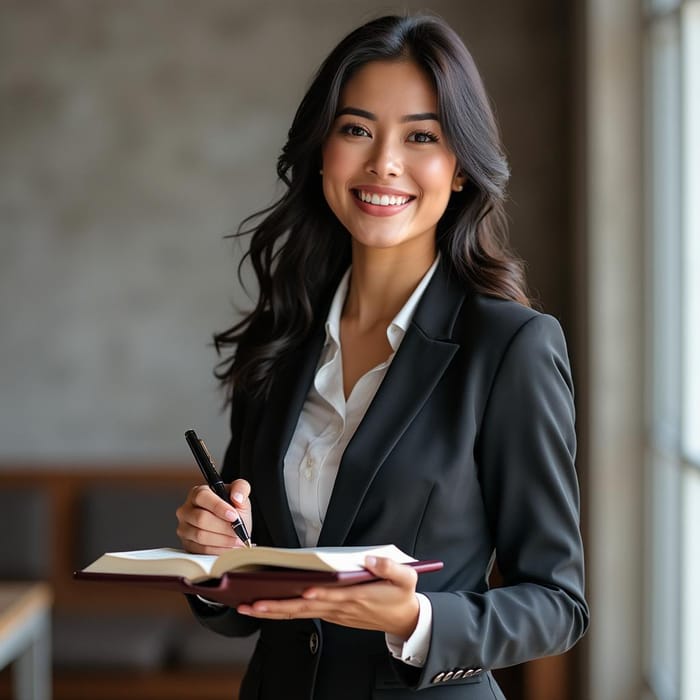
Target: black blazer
(466, 452)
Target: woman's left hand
(389, 605)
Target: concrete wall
(134, 135)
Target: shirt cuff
(414, 650)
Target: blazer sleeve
(525, 451)
(225, 620)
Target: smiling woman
(388, 173)
(301, 232)
(392, 385)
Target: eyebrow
(421, 116)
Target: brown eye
(423, 137)
(354, 130)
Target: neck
(381, 281)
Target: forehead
(400, 87)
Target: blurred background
(135, 135)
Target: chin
(379, 241)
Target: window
(673, 444)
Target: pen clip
(206, 450)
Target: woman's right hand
(204, 520)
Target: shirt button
(308, 473)
(309, 461)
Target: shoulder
(513, 345)
(452, 310)
(499, 313)
(501, 323)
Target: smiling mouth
(382, 200)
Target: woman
(392, 385)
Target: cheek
(329, 195)
(437, 173)
(336, 159)
(334, 166)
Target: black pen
(206, 464)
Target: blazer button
(438, 678)
(313, 643)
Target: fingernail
(309, 595)
(238, 497)
(231, 515)
(371, 561)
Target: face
(387, 171)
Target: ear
(459, 181)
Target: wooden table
(25, 638)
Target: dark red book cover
(234, 588)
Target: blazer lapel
(420, 362)
(278, 421)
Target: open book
(198, 567)
(245, 574)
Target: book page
(204, 560)
(308, 558)
(353, 558)
(164, 561)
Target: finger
(283, 610)
(197, 548)
(205, 499)
(389, 572)
(225, 540)
(205, 520)
(293, 610)
(240, 494)
(386, 570)
(399, 574)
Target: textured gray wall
(134, 135)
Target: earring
(459, 188)
(320, 172)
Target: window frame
(673, 469)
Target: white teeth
(383, 200)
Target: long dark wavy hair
(298, 248)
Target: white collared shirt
(326, 424)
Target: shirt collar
(333, 318)
(400, 323)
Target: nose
(384, 161)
